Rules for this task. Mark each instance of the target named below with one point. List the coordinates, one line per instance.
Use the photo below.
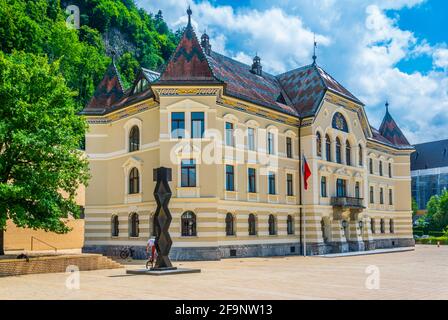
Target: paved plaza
(419, 274)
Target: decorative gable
(188, 62)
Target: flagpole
(302, 243)
(303, 215)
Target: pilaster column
(338, 238)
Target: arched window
(323, 228)
(360, 157)
(133, 225)
(318, 144)
(272, 227)
(134, 139)
(339, 122)
(229, 225)
(382, 226)
(252, 225)
(327, 147)
(134, 181)
(290, 225)
(348, 154)
(372, 225)
(338, 151)
(323, 187)
(357, 190)
(115, 224)
(188, 221)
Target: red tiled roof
(108, 92)
(241, 83)
(188, 62)
(390, 131)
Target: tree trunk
(2, 253)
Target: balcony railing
(347, 202)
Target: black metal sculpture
(162, 219)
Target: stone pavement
(419, 274)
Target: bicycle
(150, 262)
(127, 252)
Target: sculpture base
(162, 271)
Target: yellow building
(234, 136)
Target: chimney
(205, 43)
(256, 66)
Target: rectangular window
(230, 178)
(390, 170)
(289, 185)
(357, 190)
(381, 196)
(288, 147)
(323, 187)
(178, 125)
(229, 134)
(271, 182)
(371, 166)
(372, 195)
(391, 199)
(188, 173)
(341, 188)
(270, 143)
(252, 181)
(251, 139)
(197, 124)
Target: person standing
(151, 251)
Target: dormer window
(142, 84)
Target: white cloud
(441, 58)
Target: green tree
(440, 218)
(414, 207)
(128, 67)
(39, 139)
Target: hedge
(432, 240)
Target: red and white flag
(306, 171)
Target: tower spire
(189, 12)
(314, 52)
(387, 106)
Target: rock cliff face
(118, 42)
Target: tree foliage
(48, 72)
(436, 217)
(150, 35)
(39, 27)
(40, 167)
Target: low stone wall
(258, 250)
(206, 253)
(53, 264)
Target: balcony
(347, 202)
